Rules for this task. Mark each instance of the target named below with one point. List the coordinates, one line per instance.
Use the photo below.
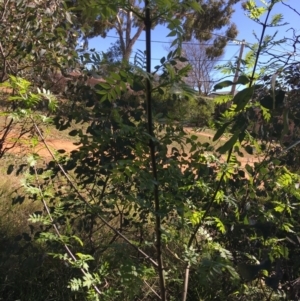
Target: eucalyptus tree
(128, 23)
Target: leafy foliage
(221, 231)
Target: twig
(291, 8)
(4, 10)
(152, 290)
(174, 255)
(264, 25)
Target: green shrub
(199, 111)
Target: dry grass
(14, 208)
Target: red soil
(22, 148)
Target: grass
(14, 209)
(25, 272)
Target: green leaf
(103, 98)
(123, 74)
(183, 59)
(223, 84)
(220, 99)
(104, 85)
(161, 91)
(84, 256)
(263, 170)
(175, 42)
(110, 81)
(170, 54)
(113, 94)
(243, 79)
(32, 159)
(162, 60)
(280, 208)
(173, 33)
(276, 162)
(220, 225)
(78, 240)
(276, 19)
(115, 76)
(229, 144)
(242, 98)
(221, 130)
(102, 92)
(196, 6)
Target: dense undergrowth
(141, 210)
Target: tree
(216, 16)
(201, 75)
(124, 20)
(129, 24)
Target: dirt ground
(22, 148)
(247, 159)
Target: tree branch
(128, 27)
(291, 8)
(120, 33)
(132, 41)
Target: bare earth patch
(22, 148)
(247, 159)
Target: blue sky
(245, 28)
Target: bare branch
(4, 10)
(202, 67)
(120, 33)
(290, 8)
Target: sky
(245, 26)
